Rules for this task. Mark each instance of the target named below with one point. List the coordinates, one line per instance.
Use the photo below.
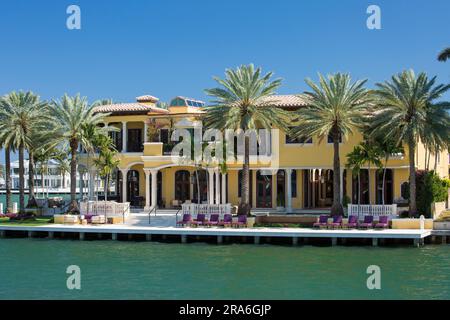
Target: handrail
(176, 216)
(150, 212)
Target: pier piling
(114, 236)
(183, 238)
(2, 233)
(81, 236)
(219, 239)
(148, 237)
(30, 234)
(256, 240)
(334, 241)
(294, 241)
(375, 242)
(51, 234)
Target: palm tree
(402, 112)
(242, 102)
(41, 139)
(444, 55)
(22, 113)
(63, 166)
(72, 115)
(106, 162)
(355, 160)
(7, 162)
(336, 107)
(387, 149)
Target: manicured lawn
(29, 222)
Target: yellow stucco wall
(319, 154)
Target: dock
(293, 236)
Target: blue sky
(168, 48)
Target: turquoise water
(36, 269)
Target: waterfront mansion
(148, 177)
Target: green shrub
(430, 188)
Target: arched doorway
(133, 188)
(281, 185)
(388, 187)
(362, 183)
(182, 185)
(263, 190)
(202, 181)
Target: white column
(147, 189)
(145, 131)
(124, 136)
(217, 173)
(211, 186)
(224, 188)
(288, 190)
(341, 186)
(154, 188)
(124, 184)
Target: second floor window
(300, 140)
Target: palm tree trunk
(426, 157)
(359, 187)
(336, 208)
(105, 188)
(8, 178)
(244, 206)
(435, 159)
(368, 179)
(31, 195)
(428, 160)
(198, 186)
(412, 180)
(73, 176)
(21, 180)
(384, 180)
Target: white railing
(106, 208)
(375, 210)
(207, 209)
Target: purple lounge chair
(227, 220)
(352, 222)
(383, 222)
(200, 220)
(321, 222)
(367, 223)
(213, 220)
(336, 223)
(187, 219)
(242, 221)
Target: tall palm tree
(22, 112)
(336, 108)
(72, 115)
(41, 139)
(402, 111)
(242, 102)
(444, 55)
(7, 162)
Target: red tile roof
(133, 107)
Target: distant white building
(55, 181)
(53, 178)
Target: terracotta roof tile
(128, 107)
(147, 98)
(287, 100)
